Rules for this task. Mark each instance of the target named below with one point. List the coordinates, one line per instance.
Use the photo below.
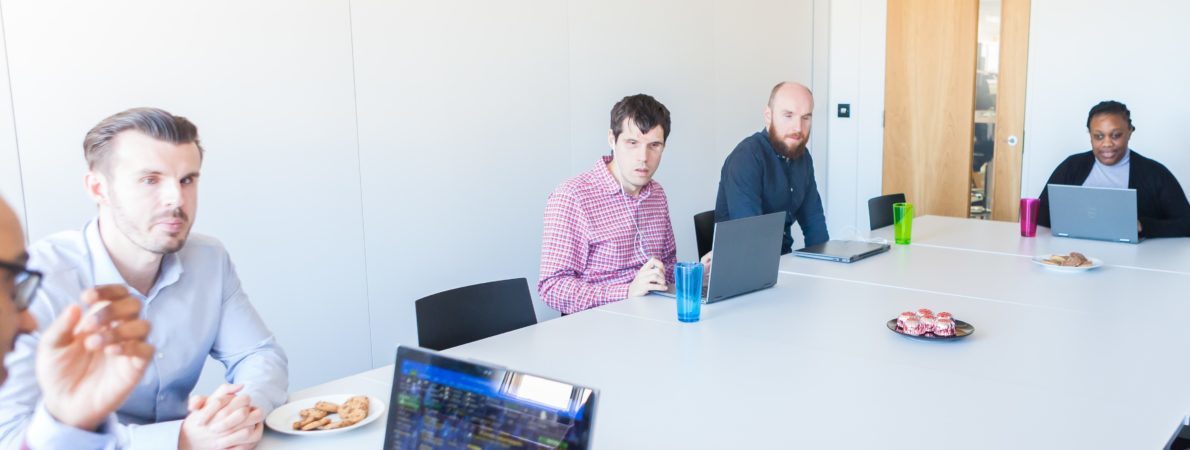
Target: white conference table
(1171, 254)
(810, 364)
(1008, 278)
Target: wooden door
(929, 98)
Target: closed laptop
(842, 251)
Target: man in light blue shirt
(87, 365)
(144, 171)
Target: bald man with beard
(771, 170)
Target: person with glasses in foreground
(85, 365)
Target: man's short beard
(142, 238)
(791, 153)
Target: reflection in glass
(541, 391)
(986, 76)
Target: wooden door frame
(1010, 109)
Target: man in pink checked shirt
(607, 230)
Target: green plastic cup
(902, 222)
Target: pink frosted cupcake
(928, 323)
(945, 315)
(904, 316)
(944, 327)
(912, 327)
(924, 312)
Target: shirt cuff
(45, 433)
(616, 293)
(160, 435)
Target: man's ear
(768, 117)
(96, 184)
(611, 139)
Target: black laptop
(440, 402)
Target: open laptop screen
(445, 403)
(1093, 213)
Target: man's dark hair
(1110, 107)
(644, 111)
(155, 123)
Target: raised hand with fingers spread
(87, 366)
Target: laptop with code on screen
(441, 402)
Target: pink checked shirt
(591, 249)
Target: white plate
(1039, 260)
(281, 419)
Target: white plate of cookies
(327, 414)
(1072, 262)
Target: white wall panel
(463, 133)
(857, 29)
(11, 189)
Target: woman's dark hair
(1110, 107)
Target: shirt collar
(764, 140)
(104, 271)
(1119, 166)
(609, 182)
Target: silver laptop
(747, 254)
(842, 251)
(1093, 213)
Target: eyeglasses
(27, 283)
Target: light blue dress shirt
(46, 433)
(196, 308)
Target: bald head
(12, 252)
(788, 116)
(792, 91)
(12, 239)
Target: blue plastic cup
(688, 285)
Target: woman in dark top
(1161, 206)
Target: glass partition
(987, 71)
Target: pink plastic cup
(1029, 216)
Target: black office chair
(880, 209)
(704, 231)
(458, 316)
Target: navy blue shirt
(757, 180)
